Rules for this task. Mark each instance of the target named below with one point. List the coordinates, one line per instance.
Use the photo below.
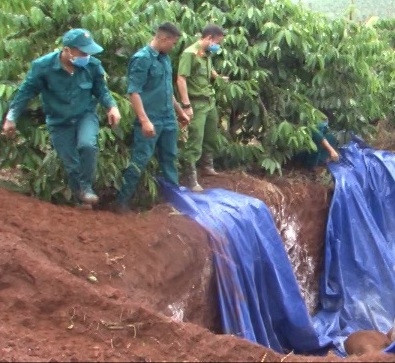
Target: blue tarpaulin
(357, 290)
(259, 297)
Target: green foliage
(287, 67)
(385, 66)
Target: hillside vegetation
(288, 67)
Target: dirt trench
(93, 286)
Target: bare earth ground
(79, 285)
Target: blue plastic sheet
(259, 297)
(357, 289)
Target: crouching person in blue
(326, 144)
(71, 83)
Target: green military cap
(82, 40)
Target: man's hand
(9, 128)
(113, 116)
(148, 128)
(183, 118)
(189, 112)
(334, 156)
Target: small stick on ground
(284, 358)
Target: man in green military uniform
(325, 143)
(195, 74)
(70, 83)
(150, 89)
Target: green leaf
(2, 89)
(288, 37)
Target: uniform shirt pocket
(85, 85)
(58, 89)
(203, 71)
(156, 70)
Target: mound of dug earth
(80, 285)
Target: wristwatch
(184, 106)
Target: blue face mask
(81, 61)
(214, 48)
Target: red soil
(79, 285)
